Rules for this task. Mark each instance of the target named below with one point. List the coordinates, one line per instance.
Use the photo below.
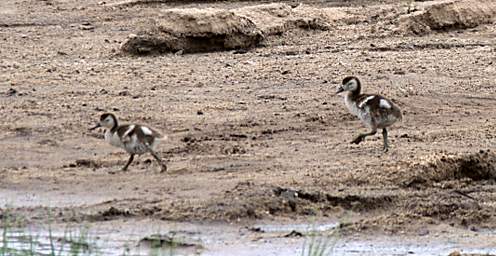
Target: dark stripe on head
(106, 115)
(349, 78)
(357, 91)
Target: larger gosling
(135, 139)
(375, 111)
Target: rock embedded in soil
(277, 18)
(11, 92)
(170, 240)
(195, 30)
(205, 30)
(449, 15)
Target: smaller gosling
(375, 111)
(135, 139)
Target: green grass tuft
(320, 244)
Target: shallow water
(122, 238)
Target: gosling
(134, 138)
(374, 111)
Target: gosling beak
(96, 126)
(340, 90)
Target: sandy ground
(254, 136)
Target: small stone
(240, 51)
(294, 233)
(86, 26)
(12, 92)
(455, 253)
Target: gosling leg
(385, 138)
(131, 158)
(163, 166)
(362, 136)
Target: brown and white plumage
(375, 111)
(134, 138)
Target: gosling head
(107, 121)
(350, 84)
